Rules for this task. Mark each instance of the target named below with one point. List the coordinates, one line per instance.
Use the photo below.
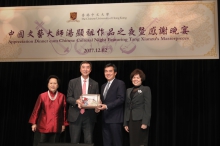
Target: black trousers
(46, 138)
(82, 124)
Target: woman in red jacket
(49, 114)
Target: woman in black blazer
(138, 110)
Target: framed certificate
(90, 100)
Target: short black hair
(53, 76)
(86, 62)
(111, 65)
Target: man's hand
(102, 107)
(78, 101)
(97, 110)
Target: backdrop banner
(115, 31)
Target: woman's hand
(34, 127)
(63, 128)
(126, 128)
(143, 126)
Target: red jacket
(49, 115)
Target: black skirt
(137, 135)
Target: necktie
(84, 92)
(106, 89)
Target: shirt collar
(110, 82)
(82, 79)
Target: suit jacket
(114, 100)
(139, 106)
(74, 92)
(49, 115)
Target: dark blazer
(114, 100)
(140, 105)
(73, 93)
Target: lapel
(112, 85)
(109, 89)
(79, 85)
(129, 93)
(102, 91)
(90, 86)
(103, 88)
(137, 94)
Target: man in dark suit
(81, 119)
(113, 97)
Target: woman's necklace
(52, 98)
